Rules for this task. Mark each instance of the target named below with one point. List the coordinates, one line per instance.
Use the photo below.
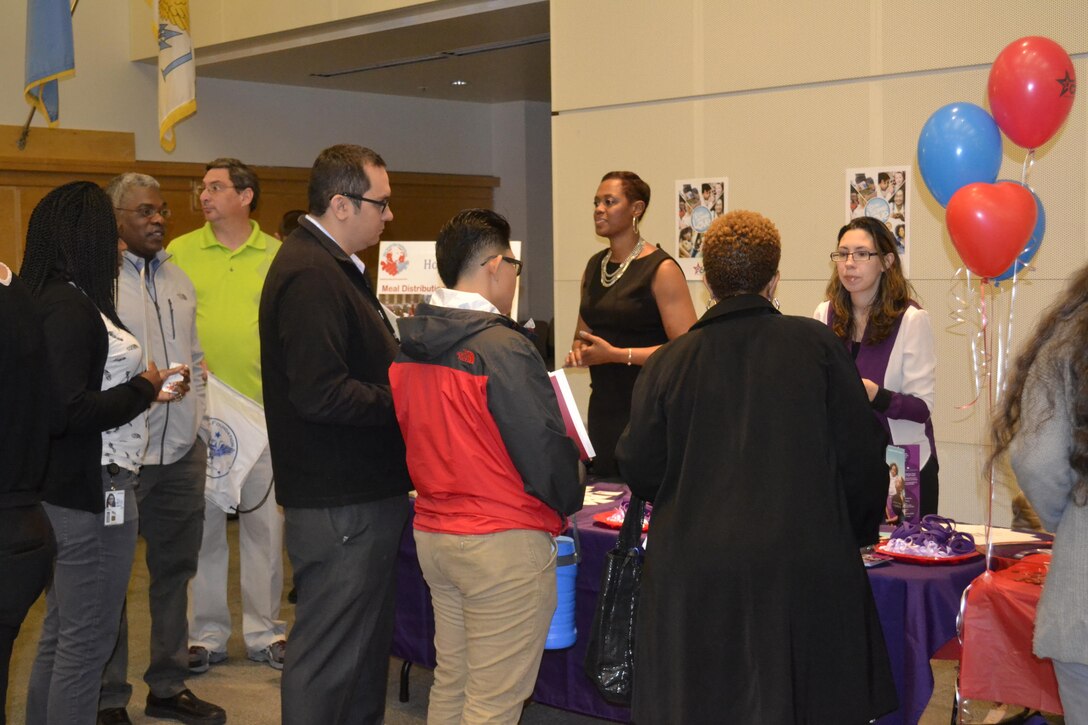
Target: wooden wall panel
(421, 203)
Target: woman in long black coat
(753, 437)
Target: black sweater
(75, 339)
(325, 355)
(24, 397)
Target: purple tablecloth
(917, 606)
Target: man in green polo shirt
(227, 260)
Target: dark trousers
(930, 489)
(171, 501)
(344, 561)
(27, 550)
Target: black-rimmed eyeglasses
(508, 260)
(147, 211)
(861, 255)
(382, 205)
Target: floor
(249, 691)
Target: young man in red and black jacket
(495, 471)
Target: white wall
(782, 98)
(521, 147)
(287, 126)
(259, 123)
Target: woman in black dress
(634, 299)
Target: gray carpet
(250, 693)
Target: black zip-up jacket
(325, 355)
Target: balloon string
(986, 345)
(968, 312)
(1025, 173)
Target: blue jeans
(83, 609)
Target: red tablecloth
(999, 619)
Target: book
(572, 419)
(904, 485)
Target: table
(997, 662)
(917, 607)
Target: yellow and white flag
(177, 68)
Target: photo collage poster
(699, 202)
(881, 192)
(904, 485)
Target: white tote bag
(236, 434)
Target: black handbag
(611, 648)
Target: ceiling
(503, 55)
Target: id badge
(114, 515)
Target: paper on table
(594, 497)
(571, 417)
(1000, 535)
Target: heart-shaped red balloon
(990, 224)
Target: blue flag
(49, 54)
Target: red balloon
(990, 224)
(1031, 89)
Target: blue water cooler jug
(562, 632)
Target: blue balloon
(960, 144)
(1024, 258)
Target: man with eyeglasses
(157, 303)
(495, 472)
(227, 259)
(337, 452)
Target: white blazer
(912, 370)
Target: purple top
(872, 363)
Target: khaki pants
(493, 598)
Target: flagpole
(21, 143)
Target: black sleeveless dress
(625, 315)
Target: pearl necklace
(610, 278)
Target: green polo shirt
(228, 295)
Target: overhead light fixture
(458, 83)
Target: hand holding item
(158, 379)
(596, 350)
(177, 383)
(574, 355)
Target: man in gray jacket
(157, 303)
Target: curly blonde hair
(741, 252)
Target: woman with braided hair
(98, 405)
(1043, 425)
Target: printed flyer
(699, 202)
(881, 192)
